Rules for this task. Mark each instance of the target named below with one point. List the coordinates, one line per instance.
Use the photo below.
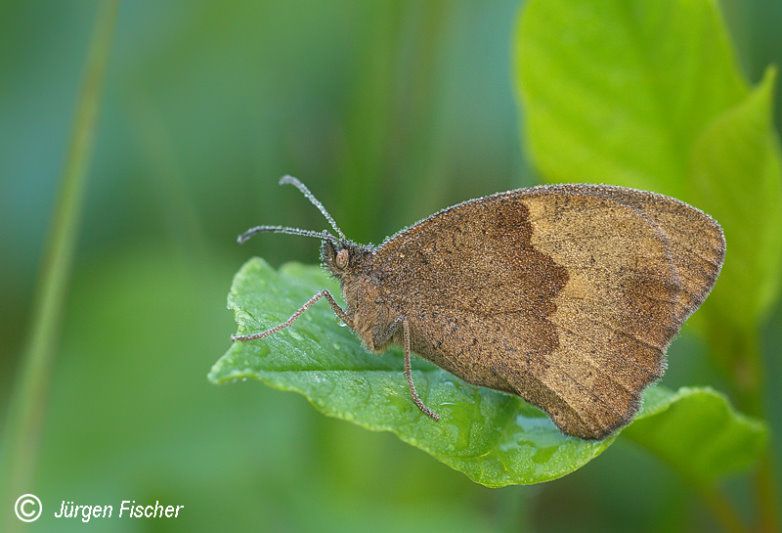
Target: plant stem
(716, 501)
(722, 509)
(28, 399)
(749, 382)
(738, 353)
(767, 495)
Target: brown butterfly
(565, 295)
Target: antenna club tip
(241, 239)
(287, 178)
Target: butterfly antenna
(290, 180)
(244, 237)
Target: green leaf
(696, 431)
(618, 90)
(494, 438)
(736, 170)
(647, 93)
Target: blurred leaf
(494, 438)
(697, 432)
(736, 171)
(647, 93)
(617, 91)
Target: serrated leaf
(494, 438)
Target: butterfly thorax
(371, 317)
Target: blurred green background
(389, 111)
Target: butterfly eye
(342, 258)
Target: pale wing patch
(617, 312)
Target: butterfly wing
(565, 295)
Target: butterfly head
(341, 258)
(339, 255)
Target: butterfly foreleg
(309, 303)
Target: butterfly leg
(409, 375)
(309, 303)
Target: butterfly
(565, 295)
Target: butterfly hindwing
(565, 295)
